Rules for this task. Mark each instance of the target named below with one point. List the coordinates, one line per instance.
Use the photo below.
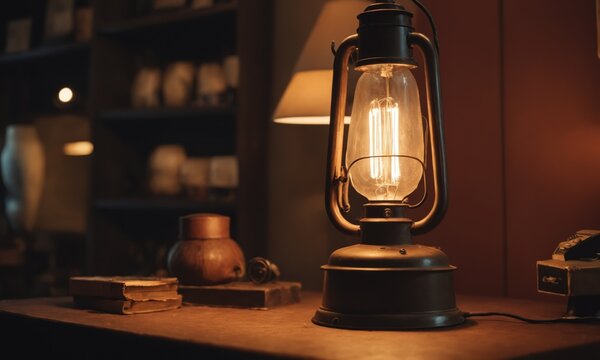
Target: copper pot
(205, 253)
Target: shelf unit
(128, 229)
(45, 53)
(31, 79)
(165, 204)
(174, 114)
(173, 17)
(123, 214)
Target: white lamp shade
(307, 97)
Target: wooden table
(54, 325)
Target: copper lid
(203, 226)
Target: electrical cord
(430, 18)
(534, 321)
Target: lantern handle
(336, 175)
(436, 135)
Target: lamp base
(388, 287)
(424, 320)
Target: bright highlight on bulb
(65, 95)
(385, 148)
(384, 142)
(78, 148)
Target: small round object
(65, 95)
(261, 270)
(205, 255)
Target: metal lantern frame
(386, 281)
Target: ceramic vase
(205, 253)
(22, 163)
(177, 83)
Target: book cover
(126, 306)
(124, 287)
(243, 294)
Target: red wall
(521, 87)
(472, 232)
(552, 129)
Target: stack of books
(124, 294)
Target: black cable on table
(535, 321)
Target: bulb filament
(384, 146)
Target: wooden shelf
(167, 114)
(162, 204)
(167, 18)
(103, 70)
(124, 137)
(44, 53)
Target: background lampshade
(307, 97)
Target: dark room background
(520, 88)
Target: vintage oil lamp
(386, 281)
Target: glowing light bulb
(385, 140)
(65, 95)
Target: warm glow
(307, 96)
(65, 95)
(78, 148)
(306, 99)
(385, 139)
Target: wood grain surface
(288, 332)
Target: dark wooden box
(570, 278)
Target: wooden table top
(288, 332)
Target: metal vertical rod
(436, 135)
(335, 170)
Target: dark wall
(521, 87)
(300, 236)
(552, 129)
(473, 230)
